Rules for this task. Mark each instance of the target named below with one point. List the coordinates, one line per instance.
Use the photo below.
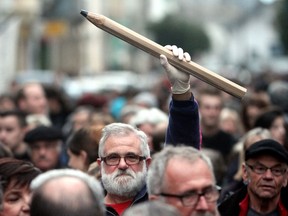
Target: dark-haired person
(31, 98)
(211, 103)
(7, 102)
(273, 119)
(82, 147)
(254, 104)
(13, 128)
(16, 176)
(264, 176)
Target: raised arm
(183, 125)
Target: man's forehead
(122, 149)
(129, 139)
(122, 144)
(188, 174)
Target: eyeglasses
(130, 159)
(261, 169)
(210, 194)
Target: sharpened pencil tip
(84, 13)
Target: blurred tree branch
(174, 31)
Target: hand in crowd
(179, 80)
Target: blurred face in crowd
(80, 120)
(230, 121)
(264, 183)
(124, 180)
(35, 100)
(45, 154)
(11, 132)
(16, 201)
(210, 107)
(182, 178)
(229, 126)
(253, 112)
(278, 130)
(7, 104)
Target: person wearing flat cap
(45, 144)
(265, 179)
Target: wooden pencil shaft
(155, 49)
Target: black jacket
(230, 206)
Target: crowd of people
(181, 148)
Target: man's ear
(148, 161)
(244, 173)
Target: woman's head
(273, 119)
(16, 176)
(83, 147)
(252, 107)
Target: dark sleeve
(183, 127)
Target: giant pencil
(155, 49)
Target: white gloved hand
(179, 80)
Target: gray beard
(205, 214)
(125, 186)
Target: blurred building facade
(52, 35)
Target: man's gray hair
(157, 168)
(93, 185)
(152, 208)
(119, 130)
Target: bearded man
(124, 157)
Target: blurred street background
(50, 41)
